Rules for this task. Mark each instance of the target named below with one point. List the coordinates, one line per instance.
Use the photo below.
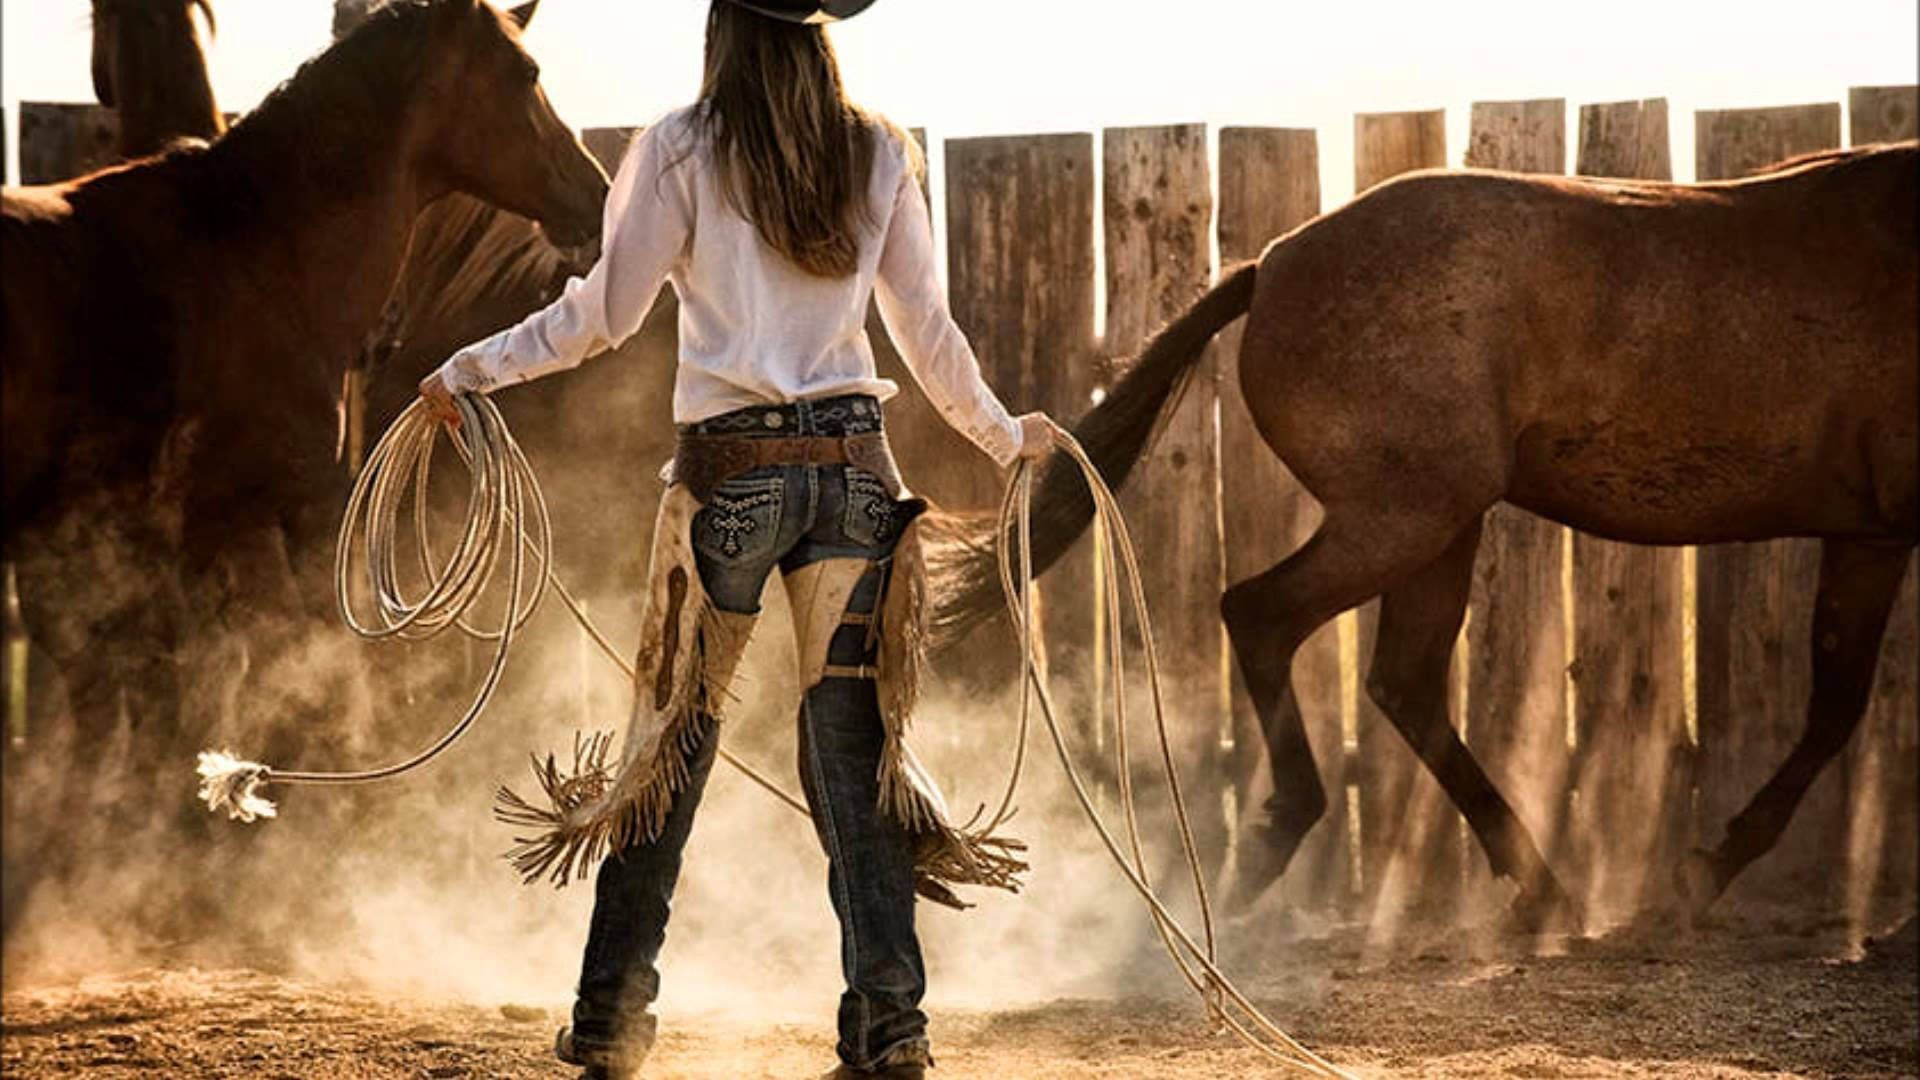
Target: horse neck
(164, 90)
(325, 220)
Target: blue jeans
(787, 517)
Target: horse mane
(465, 253)
(319, 120)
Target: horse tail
(1114, 434)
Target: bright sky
(1011, 66)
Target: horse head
(497, 137)
(148, 64)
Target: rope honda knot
(230, 784)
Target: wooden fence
(1626, 699)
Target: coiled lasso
(507, 517)
(503, 502)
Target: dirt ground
(1731, 1002)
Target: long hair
(792, 154)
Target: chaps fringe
(687, 658)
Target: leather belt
(704, 462)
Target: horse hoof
(1548, 909)
(1250, 883)
(1260, 862)
(1699, 882)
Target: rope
(1198, 964)
(504, 498)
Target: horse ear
(523, 14)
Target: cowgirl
(776, 207)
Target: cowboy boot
(890, 1072)
(909, 1062)
(597, 1062)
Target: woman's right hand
(1036, 435)
(439, 398)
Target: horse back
(1656, 362)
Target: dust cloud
(399, 887)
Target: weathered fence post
(1410, 835)
(1157, 211)
(13, 660)
(1882, 114)
(1269, 184)
(1516, 692)
(1627, 139)
(1755, 611)
(1632, 774)
(1020, 276)
(59, 141)
(1883, 762)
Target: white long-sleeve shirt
(755, 329)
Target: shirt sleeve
(914, 308)
(644, 230)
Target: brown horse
(1652, 363)
(175, 332)
(148, 65)
(472, 269)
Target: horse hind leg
(1420, 620)
(1858, 583)
(1356, 552)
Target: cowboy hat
(806, 11)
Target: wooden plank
(1882, 114)
(1517, 649)
(1388, 144)
(1882, 772)
(1626, 139)
(1020, 276)
(1411, 840)
(608, 145)
(1883, 761)
(1632, 776)
(1157, 212)
(1730, 143)
(59, 141)
(1518, 136)
(1269, 184)
(1755, 613)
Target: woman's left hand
(439, 399)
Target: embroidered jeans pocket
(872, 517)
(741, 522)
